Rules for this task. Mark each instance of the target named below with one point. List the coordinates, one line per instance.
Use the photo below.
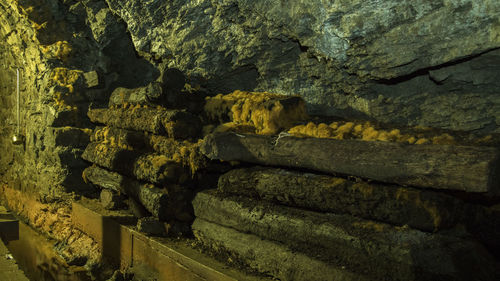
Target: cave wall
(64, 70)
(429, 63)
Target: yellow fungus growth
(188, 88)
(358, 129)
(184, 152)
(37, 26)
(65, 77)
(336, 182)
(334, 125)
(262, 110)
(364, 131)
(59, 50)
(370, 225)
(60, 103)
(429, 207)
(363, 188)
(102, 135)
(84, 176)
(158, 160)
(369, 134)
(395, 133)
(346, 128)
(411, 140)
(324, 130)
(443, 139)
(422, 141)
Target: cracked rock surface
(431, 63)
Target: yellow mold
(261, 110)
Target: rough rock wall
(431, 63)
(66, 67)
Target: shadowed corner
(112, 242)
(9, 226)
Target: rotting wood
(151, 167)
(266, 113)
(177, 124)
(111, 200)
(471, 169)
(185, 152)
(362, 245)
(268, 257)
(120, 137)
(420, 209)
(162, 203)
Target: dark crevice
(425, 71)
(302, 48)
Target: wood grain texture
(471, 169)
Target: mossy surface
(59, 50)
(367, 131)
(267, 113)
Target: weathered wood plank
(151, 167)
(162, 203)
(121, 137)
(111, 200)
(471, 169)
(185, 152)
(177, 124)
(361, 245)
(420, 209)
(268, 257)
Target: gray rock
(356, 59)
(104, 25)
(91, 79)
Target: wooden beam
(471, 169)
(177, 124)
(421, 209)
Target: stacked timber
(146, 156)
(344, 209)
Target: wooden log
(162, 203)
(137, 208)
(363, 245)
(147, 95)
(120, 137)
(152, 167)
(268, 257)
(420, 209)
(484, 223)
(152, 226)
(173, 123)
(185, 152)
(111, 200)
(152, 198)
(471, 169)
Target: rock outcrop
(408, 62)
